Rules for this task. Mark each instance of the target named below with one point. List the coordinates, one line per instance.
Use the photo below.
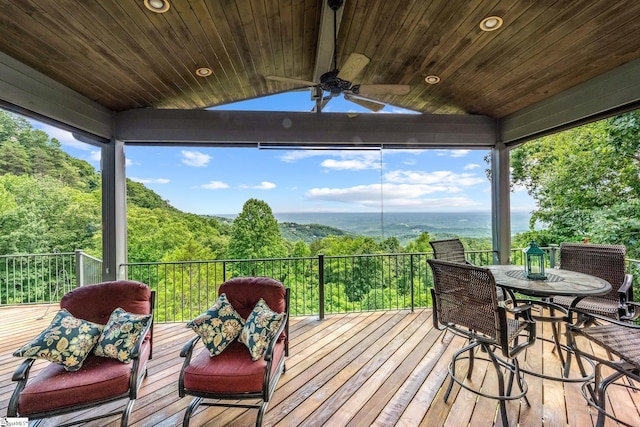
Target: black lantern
(534, 262)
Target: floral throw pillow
(260, 328)
(66, 341)
(121, 334)
(219, 326)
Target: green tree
(14, 159)
(255, 233)
(586, 181)
(420, 244)
(41, 215)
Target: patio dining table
(558, 282)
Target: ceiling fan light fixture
(491, 23)
(204, 72)
(157, 6)
(432, 80)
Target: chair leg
(501, 388)
(261, 411)
(124, 420)
(471, 360)
(452, 365)
(601, 386)
(190, 409)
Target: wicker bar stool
(465, 302)
(449, 250)
(452, 250)
(621, 339)
(606, 262)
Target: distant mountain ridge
(405, 226)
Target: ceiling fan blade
(320, 104)
(298, 82)
(366, 103)
(353, 67)
(372, 90)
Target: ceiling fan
(339, 81)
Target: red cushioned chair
(55, 391)
(233, 375)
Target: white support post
(114, 210)
(500, 204)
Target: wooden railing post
(321, 286)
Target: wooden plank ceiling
(123, 56)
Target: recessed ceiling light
(157, 6)
(432, 80)
(204, 72)
(491, 23)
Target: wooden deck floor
(374, 368)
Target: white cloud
(265, 185)
(195, 158)
(150, 180)
(452, 153)
(215, 185)
(95, 155)
(459, 153)
(430, 178)
(351, 164)
(403, 196)
(405, 189)
(294, 156)
(471, 166)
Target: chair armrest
(187, 349)
(626, 290)
(268, 355)
(22, 372)
(21, 375)
(135, 352)
(186, 352)
(519, 308)
(584, 313)
(522, 310)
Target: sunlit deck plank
(372, 368)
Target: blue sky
(205, 180)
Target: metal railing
(319, 285)
(45, 278)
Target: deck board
(372, 368)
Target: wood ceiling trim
(24, 90)
(610, 93)
(515, 86)
(38, 27)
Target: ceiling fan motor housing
(330, 82)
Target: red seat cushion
(232, 371)
(99, 378)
